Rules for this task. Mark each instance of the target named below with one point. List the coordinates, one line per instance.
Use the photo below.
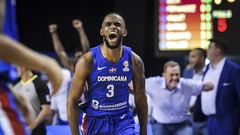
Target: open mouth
(113, 36)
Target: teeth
(113, 32)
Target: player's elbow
(71, 101)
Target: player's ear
(101, 32)
(125, 33)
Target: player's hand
(77, 23)
(52, 28)
(208, 86)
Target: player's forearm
(30, 59)
(73, 115)
(22, 55)
(53, 71)
(2, 14)
(83, 39)
(57, 43)
(142, 110)
(44, 113)
(61, 51)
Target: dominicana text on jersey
(108, 84)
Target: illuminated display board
(226, 22)
(184, 24)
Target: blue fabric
(200, 128)
(183, 128)
(108, 84)
(188, 73)
(227, 117)
(10, 25)
(65, 130)
(1, 131)
(10, 29)
(111, 125)
(218, 126)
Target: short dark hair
(202, 52)
(220, 43)
(114, 13)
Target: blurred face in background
(195, 59)
(172, 76)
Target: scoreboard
(226, 23)
(187, 24)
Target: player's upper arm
(82, 70)
(138, 74)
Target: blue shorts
(122, 124)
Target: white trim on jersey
(5, 124)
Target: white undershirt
(209, 98)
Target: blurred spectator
(59, 100)
(197, 58)
(222, 104)
(170, 97)
(68, 62)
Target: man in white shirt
(170, 97)
(59, 100)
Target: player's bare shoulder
(137, 63)
(85, 62)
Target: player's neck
(112, 55)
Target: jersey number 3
(110, 89)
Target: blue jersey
(108, 84)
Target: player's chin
(113, 46)
(113, 43)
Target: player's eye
(117, 24)
(108, 24)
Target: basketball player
(108, 68)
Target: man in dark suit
(222, 104)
